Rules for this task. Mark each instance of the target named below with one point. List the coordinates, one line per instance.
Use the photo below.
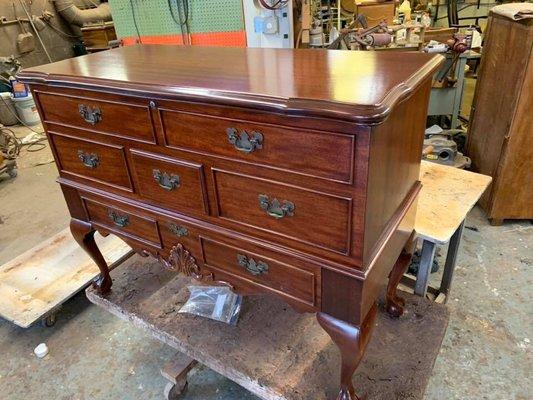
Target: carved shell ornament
(180, 260)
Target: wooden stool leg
(395, 304)
(84, 234)
(351, 341)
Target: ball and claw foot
(102, 284)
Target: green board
(154, 18)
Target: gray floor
(486, 353)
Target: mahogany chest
(287, 172)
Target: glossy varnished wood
(281, 277)
(308, 152)
(109, 168)
(341, 134)
(320, 219)
(136, 227)
(64, 109)
(189, 195)
(354, 86)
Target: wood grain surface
(357, 86)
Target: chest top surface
(350, 85)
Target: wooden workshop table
(447, 196)
(275, 352)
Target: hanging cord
(275, 6)
(135, 22)
(182, 19)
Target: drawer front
(174, 184)
(113, 118)
(311, 217)
(320, 154)
(266, 273)
(92, 160)
(123, 222)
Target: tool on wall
(35, 30)
(25, 40)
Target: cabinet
(500, 138)
(292, 173)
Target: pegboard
(153, 17)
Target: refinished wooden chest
(286, 172)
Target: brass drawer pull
(274, 208)
(91, 115)
(243, 142)
(178, 230)
(119, 220)
(90, 160)
(166, 181)
(253, 267)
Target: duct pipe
(77, 17)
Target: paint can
(27, 110)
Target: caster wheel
(174, 392)
(13, 173)
(49, 321)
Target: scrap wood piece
(274, 352)
(39, 280)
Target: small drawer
(123, 222)
(100, 162)
(307, 216)
(320, 154)
(108, 117)
(266, 272)
(173, 184)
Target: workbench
(447, 196)
(275, 352)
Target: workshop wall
(216, 23)
(59, 45)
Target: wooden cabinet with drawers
(298, 181)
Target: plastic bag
(215, 302)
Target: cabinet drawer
(104, 163)
(312, 217)
(113, 118)
(265, 272)
(174, 184)
(320, 154)
(123, 222)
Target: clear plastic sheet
(215, 302)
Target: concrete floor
(486, 353)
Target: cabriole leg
(394, 303)
(351, 341)
(84, 234)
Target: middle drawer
(173, 184)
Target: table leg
(451, 259)
(424, 270)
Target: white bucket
(8, 114)
(26, 110)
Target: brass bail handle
(274, 208)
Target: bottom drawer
(255, 269)
(123, 221)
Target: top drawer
(108, 117)
(320, 154)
